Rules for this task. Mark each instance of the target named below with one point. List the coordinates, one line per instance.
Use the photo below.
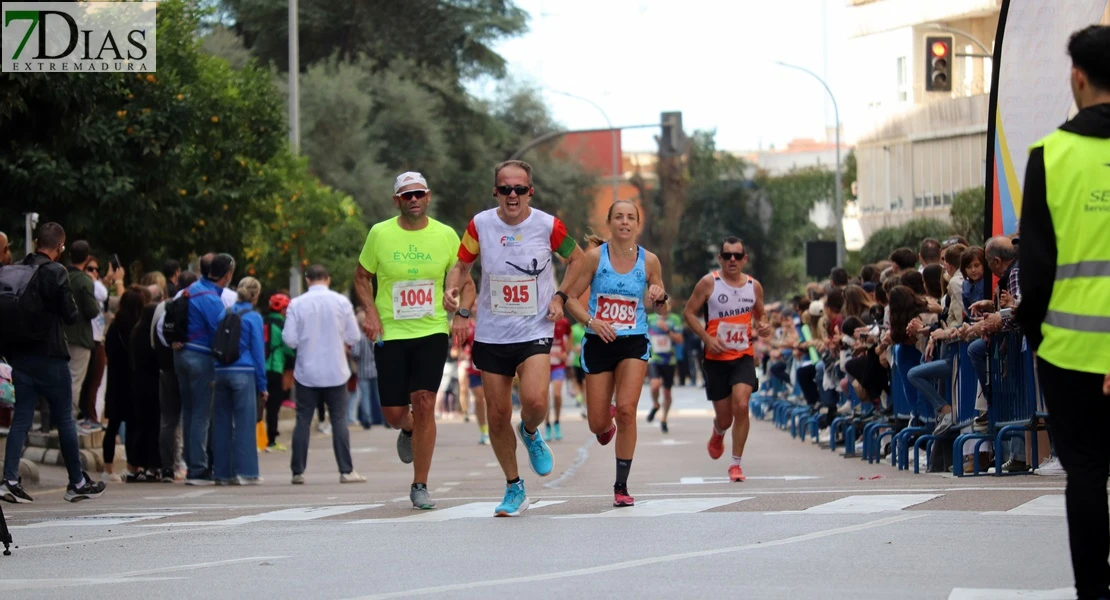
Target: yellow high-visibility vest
(1077, 183)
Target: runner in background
(733, 303)
(474, 384)
(665, 338)
(560, 344)
(574, 365)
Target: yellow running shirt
(410, 267)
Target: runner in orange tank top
(732, 304)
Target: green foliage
(909, 235)
(968, 214)
(791, 198)
(849, 176)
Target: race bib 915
(513, 295)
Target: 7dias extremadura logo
(79, 37)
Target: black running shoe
(14, 493)
(651, 413)
(91, 489)
(663, 426)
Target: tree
(792, 197)
(850, 175)
(968, 214)
(909, 235)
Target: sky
(712, 60)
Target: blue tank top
(619, 298)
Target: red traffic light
(939, 49)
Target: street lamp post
(294, 120)
(838, 206)
(614, 150)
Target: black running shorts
(407, 366)
(503, 359)
(662, 371)
(601, 357)
(721, 375)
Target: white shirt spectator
(101, 294)
(229, 297)
(320, 325)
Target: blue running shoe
(515, 502)
(539, 455)
(558, 432)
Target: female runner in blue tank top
(622, 278)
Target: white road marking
(9, 585)
(867, 504)
(192, 494)
(474, 510)
(667, 442)
(988, 594)
(718, 480)
(659, 508)
(304, 513)
(474, 474)
(643, 562)
(366, 450)
(102, 519)
(491, 465)
(451, 482)
(1042, 506)
(582, 456)
(442, 490)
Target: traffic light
(938, 63)
(672, 142)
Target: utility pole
(294, 120)
(673, 184)
(838, 206)
(614, 149)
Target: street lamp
(294, 119)
(614, 150)
(838, 206)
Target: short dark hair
(954, 254)
(835, 299)
(186, 279)
(316, 273)
(170, 267)
(839, 276)
(732, 239)
(913, 280)
(51, 235)
(79, 252)
(221, 265)
(518, 164)
(903, 258)
(929, 250)
(1089, 49)
(206, 263)
(869, 273)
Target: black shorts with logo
(407, 366)
(721, 375)
(503, 359)
(601, 357)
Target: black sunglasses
(507, 190)
(418, 194)
(92, 269)
(731, 255)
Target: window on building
(903, 80)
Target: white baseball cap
(409, 178)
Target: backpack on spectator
(225, 344)
(21, 305)
(175, 327)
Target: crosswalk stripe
(304, 513)
(1051, 505)
(867, 504)
(659, 508)
(473, 510)
(104, 519)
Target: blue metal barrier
(906, 403)
(1013, 392)
(949, 351)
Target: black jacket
(1037, 247)
(53, 282)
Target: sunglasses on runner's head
(507, 190)
(732, 255)
(418, 194)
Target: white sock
(10, 482)
(718, 431)
(81, 483)
(736, 460)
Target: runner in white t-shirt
(516, 323)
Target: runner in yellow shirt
(410, 255)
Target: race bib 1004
(619, 310)
(734, 336)
(413, 299)
(513, 295)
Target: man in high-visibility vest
(1065, 312)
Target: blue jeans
(36, 376)
(196, 375)
(925, 377)
(365, 406)
(977, 352)
(234, 412)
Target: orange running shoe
(605, 438)
(716, 445)
(735, 473)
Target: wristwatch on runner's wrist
(464, 313)
(560, 294)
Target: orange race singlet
(729, 317)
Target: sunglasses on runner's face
(507, 190)
(418, 194)
(731, 255)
